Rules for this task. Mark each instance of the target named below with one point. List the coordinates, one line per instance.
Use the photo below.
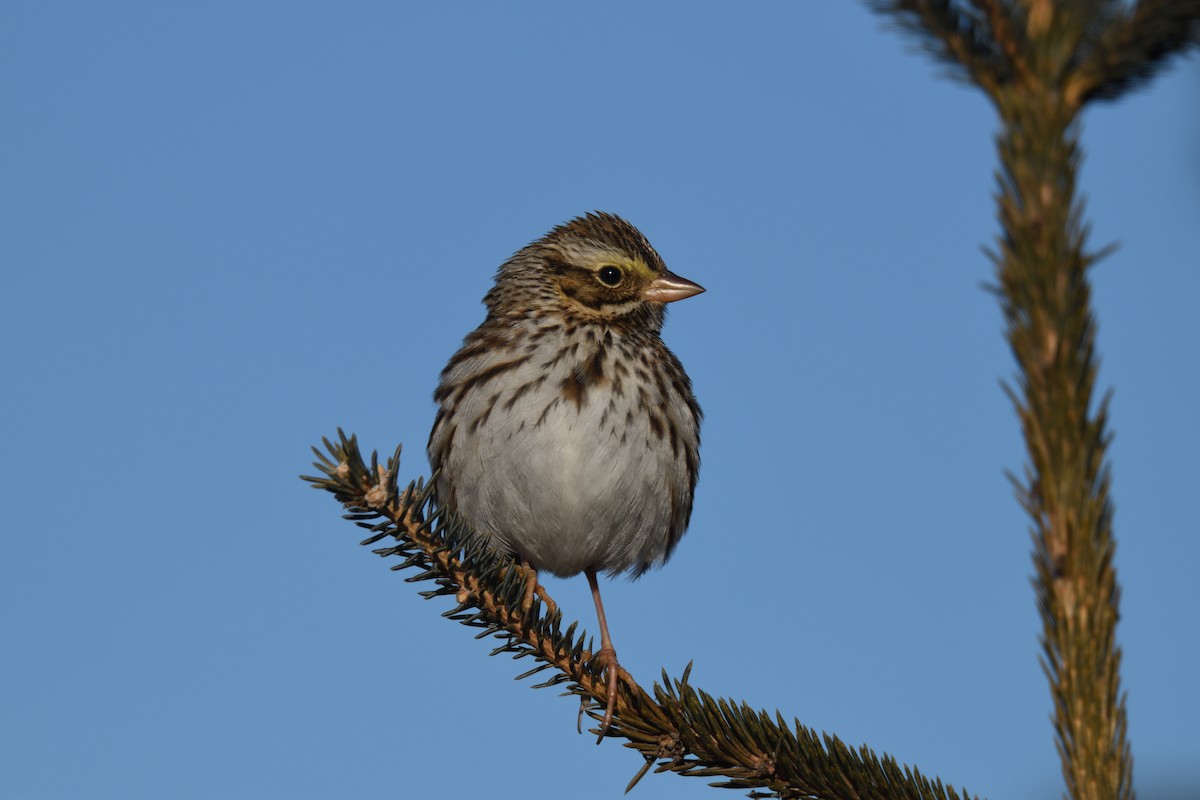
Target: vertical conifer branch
(1040, 61)
(1046, 298)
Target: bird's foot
(535, 589)
(612, 668)
(613, 673)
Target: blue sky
(231, 227)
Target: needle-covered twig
(674, 727)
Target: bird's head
(596, 267)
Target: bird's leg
(607, 654)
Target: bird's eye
(610, 276)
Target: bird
(567, 433)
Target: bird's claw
(612, 670)
(532, 589)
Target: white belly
(557, 485)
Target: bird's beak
(669, 287)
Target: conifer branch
(675, 727)
(1007, 24)
(1135, 44)
(1041, 265)
(1044, 291)
(959, 37)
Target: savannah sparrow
(567, 433)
